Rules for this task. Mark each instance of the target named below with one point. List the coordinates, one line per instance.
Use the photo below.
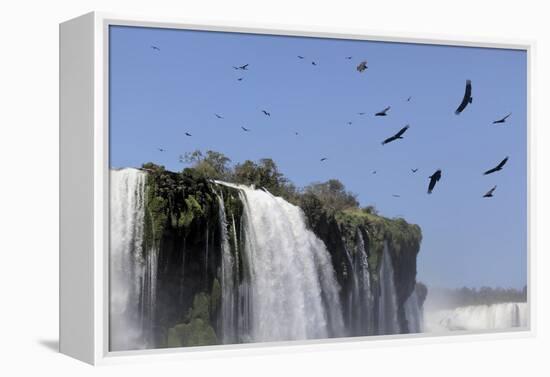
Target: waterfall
(291, 291)
(227, 280)
(387, 302)
(361, 305)
(127, 272)
(478, 317)
(414, 313)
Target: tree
(333, 195)
(213, 165)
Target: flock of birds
(361, 67)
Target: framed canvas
(248, 188)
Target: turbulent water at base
(291, 291)
(129, 272)
(387, 302)
(480, 317)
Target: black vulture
(349, 57)
(161, 150)
(300, 57)
(502, 120)
(362, 66)
(245, 129)
(467, 98)
(240, 79)
(396, 195)
(188, 134)
(374, 172)
(434, 178)
(409, 99)
(242, 67)
(489, 194)
(313, 63)
(414, 170)
(383, 112)
(397, 136)
(360, 113)
(497, 168)
(266, 113)
(155, 48)
(324, 159)
(350, 123)
(218, 116)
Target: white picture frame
(84, 148)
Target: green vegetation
(196, 330)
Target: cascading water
(387, 302)
(227, 279)
(479, 317)
(291, 291)
(362, 296)
(127, 264)
(414, 313)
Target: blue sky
(157, 96)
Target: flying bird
(300, 57)
(218, 116)
(397, 136)
(350, 123)
(313, 63)
(242, 67)
(266, 113)
(467, 98)
(434, 178)
(414, 170)
(360, 113)
(161, 150)
(155, 48)
(502, 120)
(373, 172)
(245, 129)
(396, 196)
(296, 133)
(362, 66)
(240, 79)
(489, 194)
(409, 99)
(383, 112)
(324, 159)
(349, 57)
(188, 134)
(497, 168)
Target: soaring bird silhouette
(498, 167)
(397, 136)
(300, 57)
(324, 159)
(409, 99)
(296, 133)
(218, 116)
(155, 48)
(373, 172)
(362, 66)
(414, 170)
(361, 113)
(242, 67)
(489, 194)
(349, 57)
(188, 134)
(245, 129)
(383, 112)
(502, 120)
(396, 195)
(313, 63)
(161, 150)
(350, 123)
(467, 98)
(266, 113)
(434, 178)
(240, 79)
